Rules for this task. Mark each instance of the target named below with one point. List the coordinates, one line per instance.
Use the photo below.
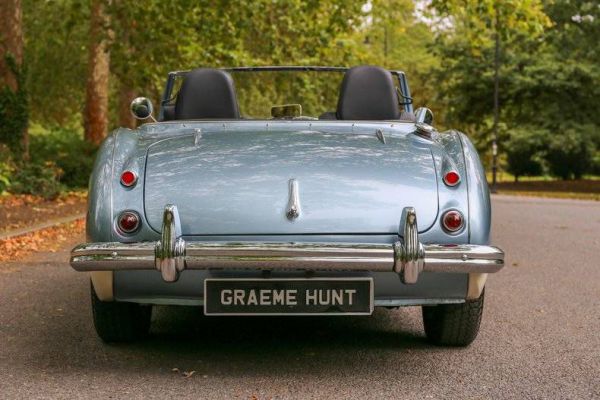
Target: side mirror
(141, 108)
(424, 115)
(424, 122)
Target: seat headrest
(368, 93)
(207, 93)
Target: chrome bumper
(172, 254)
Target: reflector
(451, 178)
(128, 178)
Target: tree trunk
(11, 49)
(496, 99)
(12, 40)
(126, 119)
(96, 102)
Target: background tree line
(525, 70)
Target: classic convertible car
(283, 191)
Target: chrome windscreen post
(169, 253)
(409, 255)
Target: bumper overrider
(172, 254)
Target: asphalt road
(540, 336)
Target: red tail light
(452, 178)
(452, 221)
(128, 178)
(129, 221)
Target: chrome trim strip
(172, 254)
(293, 208)
(263, 256)
(288, 256)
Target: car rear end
(359, 207)
(202, 217)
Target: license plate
(313, 296)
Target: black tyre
(120, 322)
(453, 324)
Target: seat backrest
(207, 93)
(168, 112)
(368, 93)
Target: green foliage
(316, 92)
(570, 152)
(6, 168)
(145, 44)
(466, 49)
(549, 73)
(595, 170)
(524, 152)
(391, 36)
(550, 66)
(56, 40)
(60, 160)
(41, 179)
(67, 152)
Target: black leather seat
(207, 94)
(168, 112)
(368, 93)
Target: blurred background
(524, 72)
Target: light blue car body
(229, 180)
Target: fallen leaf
(48, 239)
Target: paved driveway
(540, 336)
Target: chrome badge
(293, 207)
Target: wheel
(453, 324)
(120, 322)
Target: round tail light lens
(129, 221)
(453, 221)
(451, 178)
(128, 178)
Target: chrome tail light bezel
(449, 229)
(123, 231)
